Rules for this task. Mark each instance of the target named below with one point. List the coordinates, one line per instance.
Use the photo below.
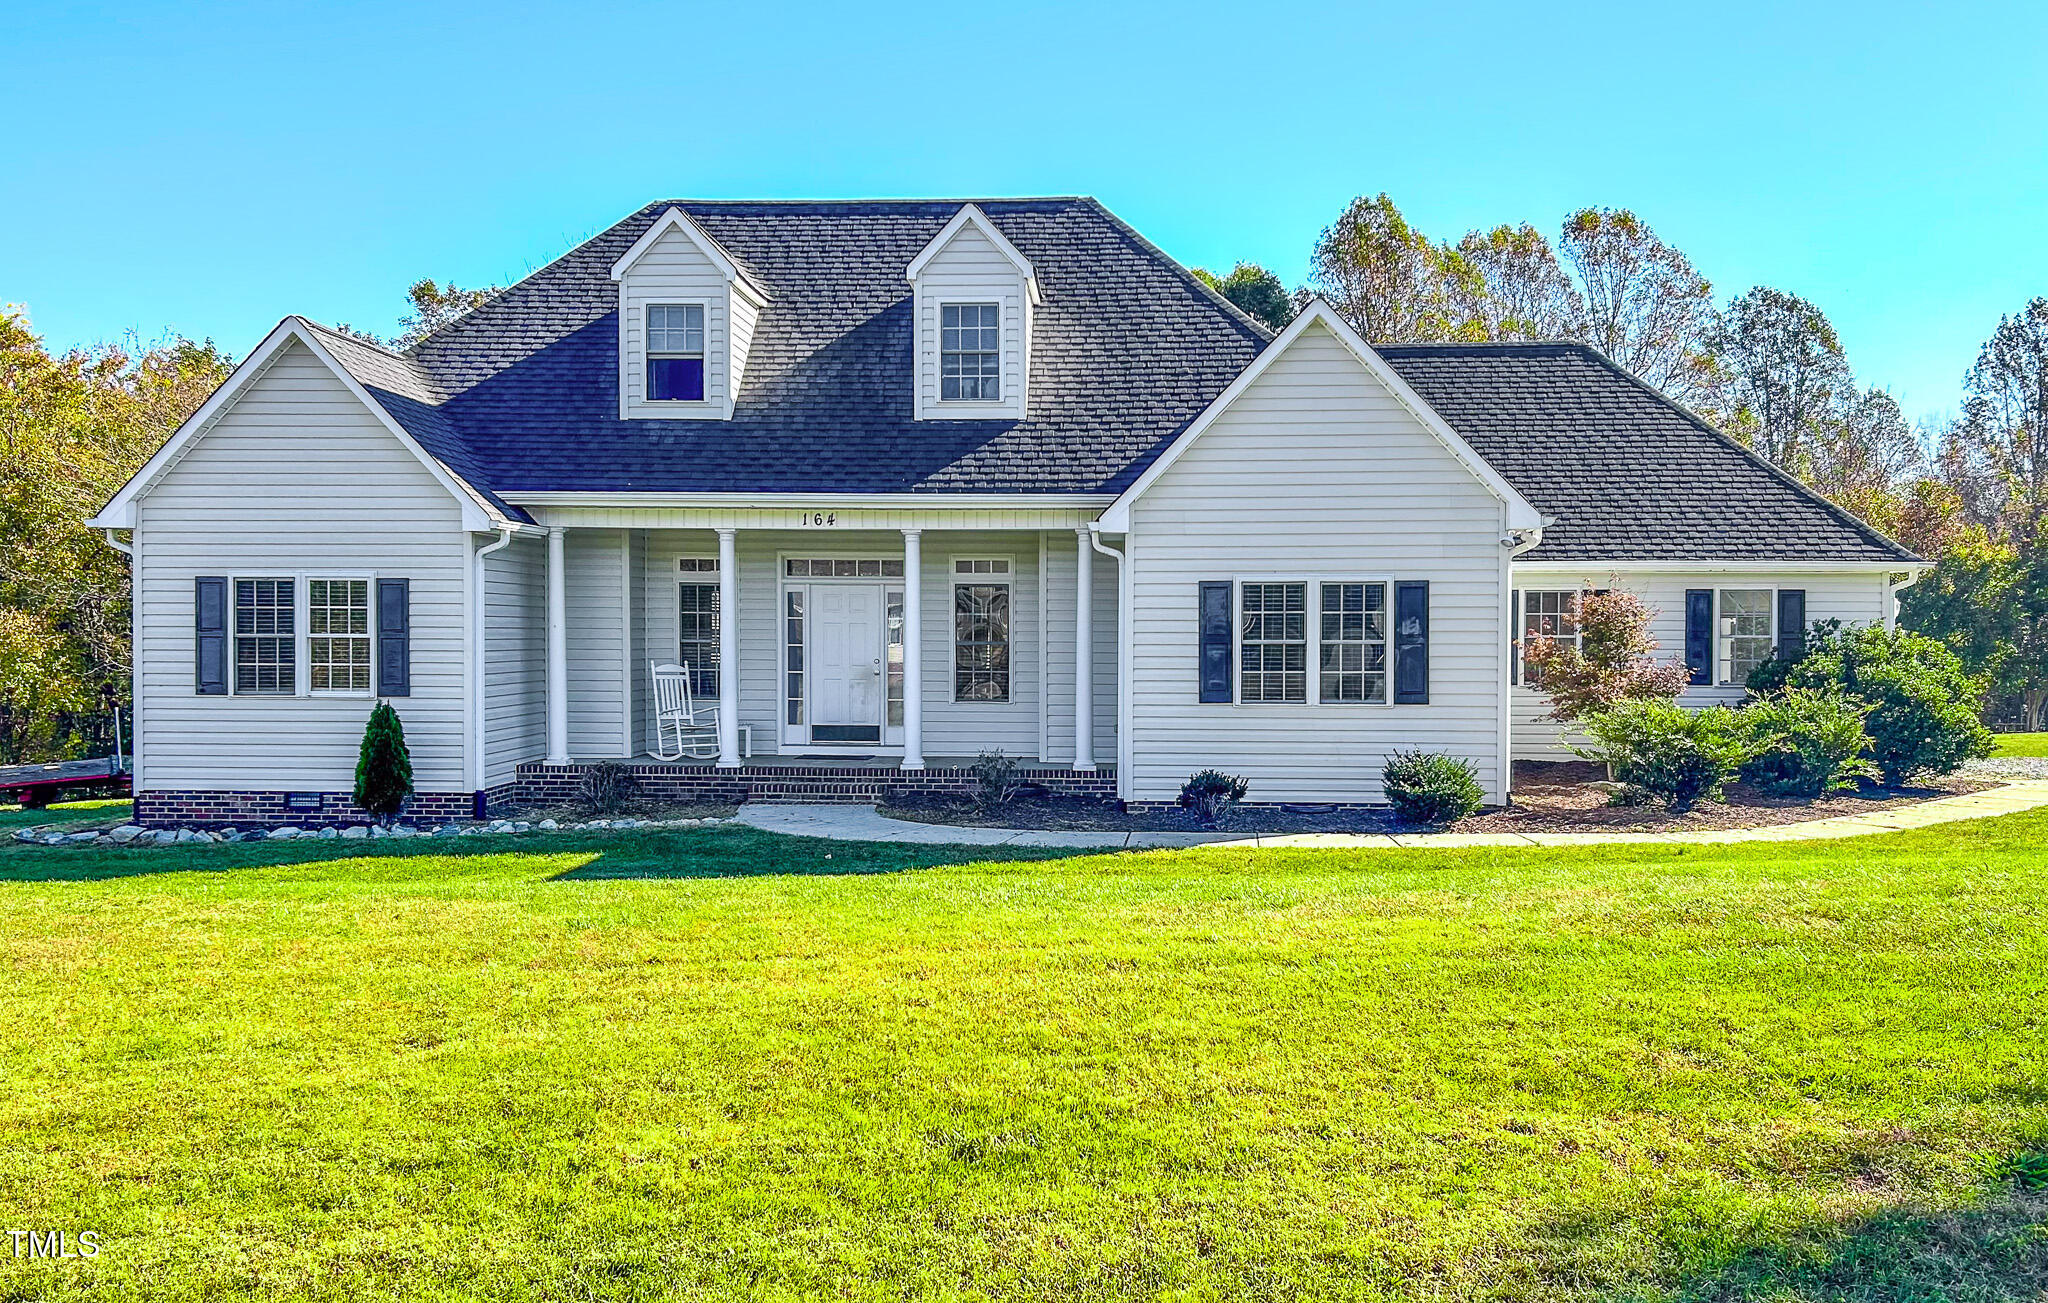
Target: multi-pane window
(844, 567)
(337, 634)
(1273, 642)
(697, 626)
(970, 353)
(1746, 632)
(981, 630)
(1551, 615)
(1354, 643)
(793, 651)
(893, 617)
(265, 636)
(675, 352)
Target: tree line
(1765, 367)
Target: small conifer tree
(384, 767)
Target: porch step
(814, 791)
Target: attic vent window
(675, 352)
(970, 353)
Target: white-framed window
(843, 567)
(675, 352)
(1551, 614)
(266, 637)
(981, 629)
(970, 353)
(338, 636)
(1745, 628)
(697, 616)
(1353, 657)
(1272, 641)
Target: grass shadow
(724, 852)
(742, 852)
(1993, 1250)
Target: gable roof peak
(675, 219)
(970, 214)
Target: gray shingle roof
(1627, 474)
(1128, 348)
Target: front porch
(846, 652)
(853, 780)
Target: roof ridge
(1259, 330)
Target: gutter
(476, 687)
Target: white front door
(845, 679)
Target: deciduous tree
(1523, 291)
(73, 428)
(1645, 306)
(1389, 280)
(1258, 293)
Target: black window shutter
(210, 627)
(1411, 643)
(1699, 633)
(1213, 612)
(1514, 635)
(1791, 623)
(394, 638)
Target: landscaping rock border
(129, 834)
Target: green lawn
(722, 1064)
(2028, 745)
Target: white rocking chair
(682, 728)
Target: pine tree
(384, 767)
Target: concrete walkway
(863, 823)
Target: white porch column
(558, 649)
(728, 651)
(1084, 652)
(913, 649)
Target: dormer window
(675, 352)
(970, 353)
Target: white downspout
(122, 761)
(1123, 771)
(477, 604)
(1891, 597)
(1513, 544)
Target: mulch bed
(1559, 796)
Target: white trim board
(970, 215)
(1521, 514)
(675, 219)
(477, 513)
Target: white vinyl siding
(596, 628)
(515, 658)
(1060, 558)
(971, 270)
(255, 495)
(674, 271)
(1850, 598)
(1316, 473)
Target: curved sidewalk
(863, 823)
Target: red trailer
(35, 786)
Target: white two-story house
(902, 482)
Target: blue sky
(209, 168)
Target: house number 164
(818, 518)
